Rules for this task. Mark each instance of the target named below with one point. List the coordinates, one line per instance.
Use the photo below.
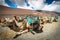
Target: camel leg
(23, 31)
(19, 33)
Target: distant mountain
(6, 11)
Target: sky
(48, 5)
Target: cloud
(1, 2)
(52, 7)
(35, 4)
(20, 2)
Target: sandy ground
(51, 31)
